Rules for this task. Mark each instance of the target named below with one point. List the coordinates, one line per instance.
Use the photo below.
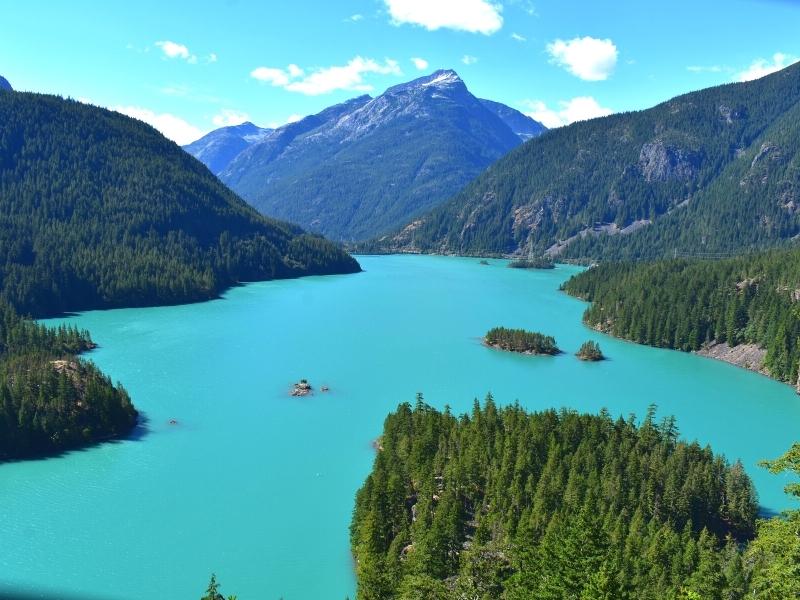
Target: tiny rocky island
(590, 351)
(521, 341)
(301, 388)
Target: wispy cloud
(327, 79)
(526, 6)
(580, 108)
(172, 50)
(173, 127)
(762, 66)
(588, 58)
(355, 18)
(518, 37)
(468, 59)
(228, 116)
(420, 63)
(475, 16)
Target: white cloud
(580, 108)
(588, 58)
(277, 77)
(327, 79)
(228, 117)
(475, 16)
(174, 50)
(420, 63)
(469, 60)
(173, 127)
(355, 18)
(212, 58)
(704, 69)
(518, 37)
(762, 66)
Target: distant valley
(367, 165)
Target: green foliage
(503, 503)
(538, 262)
(519, 340)
(100, 210)
(50, 400)
(775, 556)
(213, 593)
(716, 170)
(590, 350)
(775, 553)
(685, 304)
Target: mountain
(4, 85)
(218, 148)
(100, 210)
(713, 171)
(367, 165)
(521, 124)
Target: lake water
(258, 487)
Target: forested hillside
(686, 304)
(502, 503)
(100, 210)
(49, 399)
(716, 170)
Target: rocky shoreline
(746, 356)
(525, 353)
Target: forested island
(50, 400)
(520, 340)
(590, 351)
(537, 262)
(692, 305)
(502, 503)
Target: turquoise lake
(258, 487)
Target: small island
(538, 262)
(590, 351)
(302, 388)
(519, 340)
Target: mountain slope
(521, 124)
(364, 166)
(711, 170)
(218, 148)
(4, 85)
(100, 210)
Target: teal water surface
(258, 487)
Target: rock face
(659, 161)
(359, 168)
(4, 85)
(522, 125)
(747, 356)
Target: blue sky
(189, 67)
